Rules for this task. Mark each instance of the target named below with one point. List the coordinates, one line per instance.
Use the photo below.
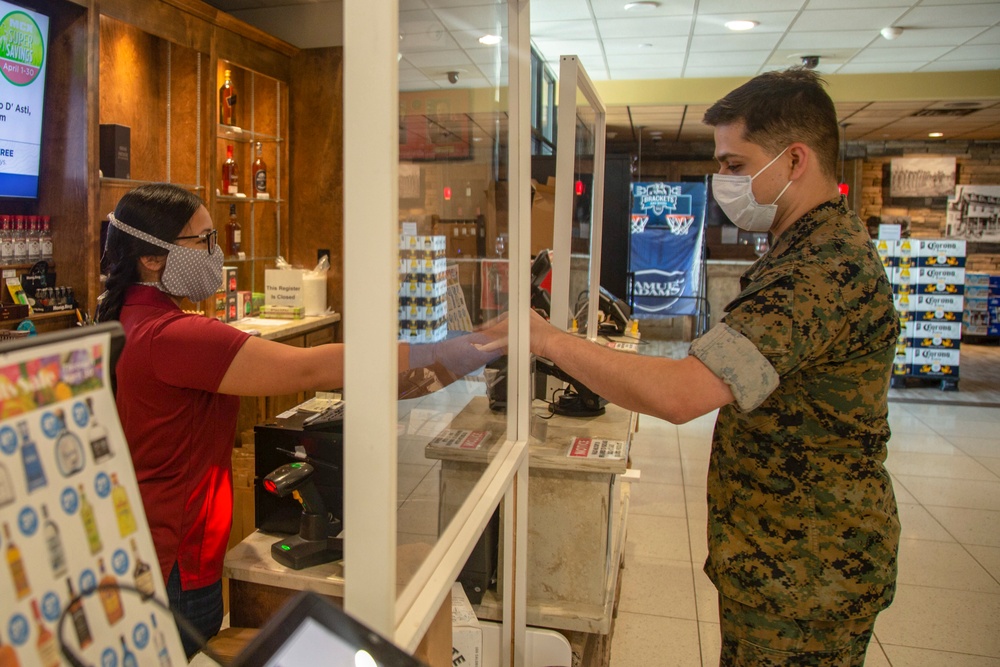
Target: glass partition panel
(582, 219)
(453, 268)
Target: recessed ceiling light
(935, 135)
(645, 45)
(490, 40)
(742, 25)
(642, 6)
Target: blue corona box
(939, 252)
(930, 362)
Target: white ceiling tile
(442, 59)
(846, 19)
(405, 5)
(877, 68)
(559, 10)
(660, 61)
(720, 70)
(739, 7)
(552, 49)
(928, 37)
(964, 15)
(745, 59)
(991, 36)
(715, 24)
(904, 54)
(742, 42)
(845, 39)
(644, 74)
(605, 9)
(988, 53)
(562, 30)
(647, 27)
(633, 46)
(472, 18)
(856, 4)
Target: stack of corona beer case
(928, 282)
(423, 289)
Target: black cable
(183, 624)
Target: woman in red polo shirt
(179, 377)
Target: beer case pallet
(914, 381)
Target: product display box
(229, 274)
(115, 151)
(466, 632)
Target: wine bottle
(123, 509)
(142, 574)
(230, 173)
(20, 240)
(100, 446)
(234, 233)
(128, 657)
(16, 565)
(90, 524)
(69, 449)
(6, 486)
(160, 644)
(45, 238)
(111, 598)
(48, 648)
(227, 100)
(6, 240)
(259, 171)
(76, 612)
(33, 470)
(53, 544)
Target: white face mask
(190, 272)
(734, 195)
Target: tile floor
(945, 463)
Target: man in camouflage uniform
(803, 530)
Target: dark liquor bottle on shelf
(227, 100)
(230, 173)
(234, 233)
(259, 173)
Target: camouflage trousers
(754, 638)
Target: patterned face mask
(190, 272)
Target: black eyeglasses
(211, 238)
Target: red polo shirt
(179, 429)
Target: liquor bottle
(142, 574)
(16, 565)
(227, 100)
(80, 624)
(48, 648)
(6, 240)
(230, 173)
(160, 644)
(45, 238)
(69, 449)
(6, 486)
(33, 471)
(234, 233)
(128, 658)
(111, 598)
(8, 657)
(34, 231)
(90, 524)
(123, 509)
(20, 240)
(259, 172)
(100, 446)
(53, 544)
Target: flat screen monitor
(24, 47)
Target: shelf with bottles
(241, 136)
(130, 183)
(247, 199)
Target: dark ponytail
(159, 209)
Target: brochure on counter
(71, 516)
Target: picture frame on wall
(922, 176)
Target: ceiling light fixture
(741, 24)
(642, 6)
(891, 32)
(490, 40)
(935, 135)
(645, 45)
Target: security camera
(452, 77)
(810, 62)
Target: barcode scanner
(317, 541)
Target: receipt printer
(276, 445)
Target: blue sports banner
(667, 233)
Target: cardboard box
(466, 633)
(115, 151)
(938, 248)
(543, 211)
(232, 307)
(936, 302)
(244, 303)
(229, 274)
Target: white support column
(371, 241)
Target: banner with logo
(667, 236)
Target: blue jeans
(201, 606)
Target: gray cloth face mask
(189, 272)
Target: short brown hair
(782, 107)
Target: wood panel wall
(316, 152)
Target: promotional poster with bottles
(71, 518)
